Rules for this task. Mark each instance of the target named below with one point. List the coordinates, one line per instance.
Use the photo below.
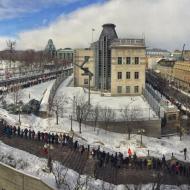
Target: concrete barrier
(12, 179)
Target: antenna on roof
(182, 58)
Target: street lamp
(19, 110)
(49, 147)
(141, 131)
(71, 118)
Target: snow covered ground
(34, 92)
(108, 141)
(137, 103)
(24, 162)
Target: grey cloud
(165, 24)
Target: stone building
(50, 49)
(127, 66)
(118, 65)
(181, 75)
(65, 54)
(165, 67)
(79, 57)
(175, 72)
(102, 51)
(156, 52)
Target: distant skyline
(164, 23)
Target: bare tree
(126, 117)
(58, 105)
(129, 116)
(82, 183)
(60, 173)
(82, 109)
(107, 116)
(95, 115)
(16, 94)
(11, 48)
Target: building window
(85, 81)
(136, 89)
(119, 60)
(119, 89)
(86, 58)
(136, 75)
(128, 75)
(128, 60)
(136, 60)
(119, 75)
(128, 89)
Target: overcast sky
(164, 23)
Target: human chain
(101, 158)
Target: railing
(130, 42)
(153, 103)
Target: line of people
(101, 158)
(25, 84)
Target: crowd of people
(25, 84)
(101, 158)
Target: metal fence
(56, 85)
(117, 115)
(154, 102)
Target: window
(86, 58)
(128, 89)
(128, 75)
(119, 75)
(172, 117)
(86, 81)
(119, 89)
(136, 75)
(136, 60)
(128, 60)
(119, 60)
(136, 89)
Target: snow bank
(35, 167)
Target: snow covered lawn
(34, 92)
(35, 166)
(137, 103)
(108, 140)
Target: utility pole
(71, 122)
(93, 34)
(89, 79)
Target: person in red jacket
(129, 152)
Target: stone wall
(152, 127)
(11, 179)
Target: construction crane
(87, 72)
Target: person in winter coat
(33, 134)
(129, 152)
(149, 163)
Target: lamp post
(19, 110)
(141, 131)
(71, 118)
